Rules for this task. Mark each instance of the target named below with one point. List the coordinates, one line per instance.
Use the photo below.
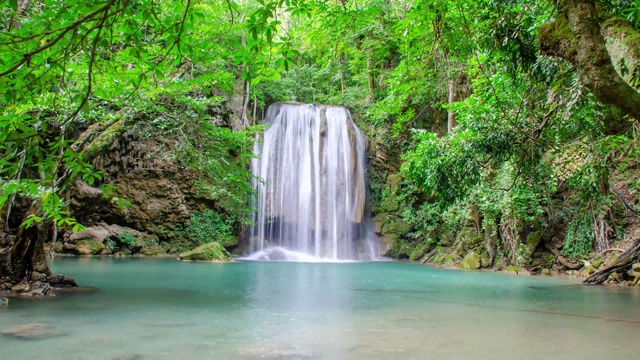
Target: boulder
(531, 244)
(545, 272)
(500, 264)
(471, 261)
(485, 262)
(21, 288)
(94, 233)
(89, 247)
(61, 281)
(208, 252)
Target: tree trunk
(245, 106)
(370, 82)
(340, 65)
(630, 256)
(490, 242)
(27, 253)
(623, 46)
(451, 115)
(576, 36)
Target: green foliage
(209, 226)
(78, 68)
(127, 239)
(579, 240)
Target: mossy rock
(516, 269)
(485, 262)
(471, 261)
(588, 270)
(418, 251)
(152, 250)
(447, 238)
(394, 180)
(531, 244)
(208, 252)
(382, 218)
(58, 247)
(390, 204)
(89, 247)
(452, 260)
(546, 272)
(500, 264)
(391, 239)
(398, 228)
(440, 258)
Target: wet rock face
(159, 194)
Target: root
(625, 259)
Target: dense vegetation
(515, 126)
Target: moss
(152, 250)
(623, 46)
(471, 261)
(398, 228)
(531, 244)
(452, 260)
(597, 262)
(89, 247)
(440, 258)
(102, 141)
(515, 269)
(588, 270)
(208, 252)
(485, 262)
(556, 39)
(419, 251)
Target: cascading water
(310, 203)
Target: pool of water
(165, 309)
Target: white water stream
(311, 202)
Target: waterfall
(310, 189)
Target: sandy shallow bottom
(164, 309)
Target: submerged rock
(208, 252)
(33, 331)
(471, 261)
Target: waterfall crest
(311, 200)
